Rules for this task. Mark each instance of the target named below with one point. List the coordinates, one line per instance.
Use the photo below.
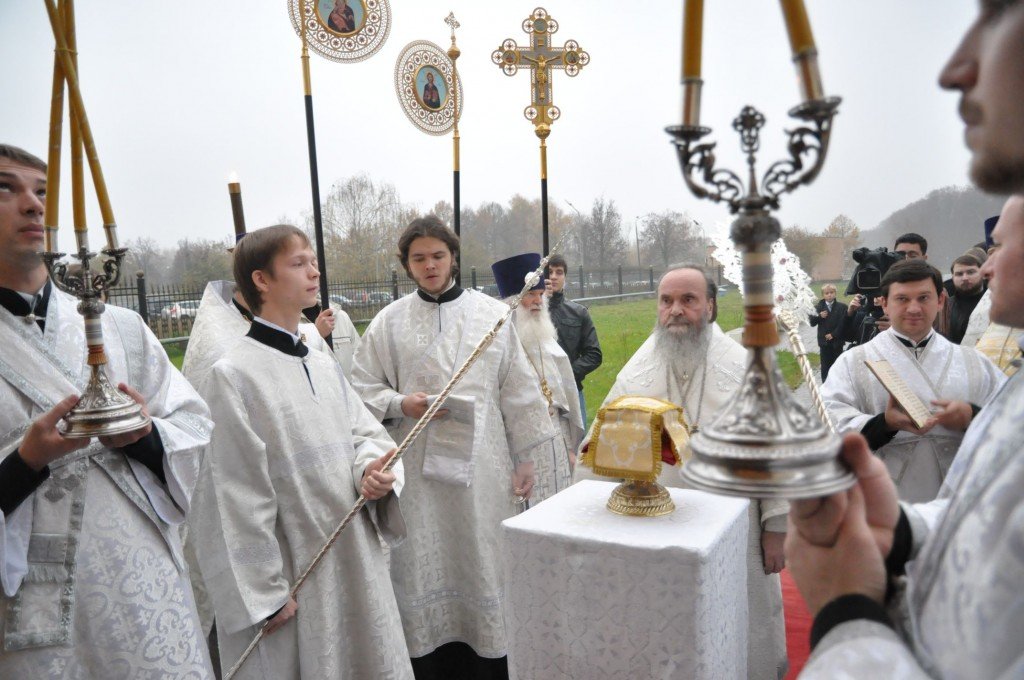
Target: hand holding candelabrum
(43, 444)
(117, 441)
(837, 545)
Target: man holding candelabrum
(90, 563)
(937, 589)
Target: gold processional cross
(541, 58)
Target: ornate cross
(541, 58)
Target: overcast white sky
(179, 94)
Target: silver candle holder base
(103, 410)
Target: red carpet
(798, 625)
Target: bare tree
(805, 244)
(669, 237)
(199, 261)
(603, 242)
(144, 254)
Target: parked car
(186, 309)
(378, 297)
(346, 303)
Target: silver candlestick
(103, 410)
(763, 444)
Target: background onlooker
(829, 317)
(576, 332)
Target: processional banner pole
(541, 58)
(453, 54)
(347, 33)
(314, 178)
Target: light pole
(636, 235)
(579, 239)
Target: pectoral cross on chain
(541, 58)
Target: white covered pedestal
(594, 595)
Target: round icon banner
(424, 79)
(342, 30)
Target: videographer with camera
(954, 380)
(865, 317)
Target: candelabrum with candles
(103, 409)
(764, 444)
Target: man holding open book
(954, 381)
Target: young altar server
(292, 449)
(94, 584)
(466, 470)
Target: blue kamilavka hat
(990, 224)
(510, 274)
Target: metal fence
(170, 309)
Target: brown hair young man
(292, 449)
(476, 462)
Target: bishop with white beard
(553, 370)
(689, 361)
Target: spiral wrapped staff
(789, 324)
(481, 347)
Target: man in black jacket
(828, 317)
(576, 332)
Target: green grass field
(622, 328)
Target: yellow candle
(693, 26)
(798, 26)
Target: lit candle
(693, 26)
(798, 26)
(235, 193)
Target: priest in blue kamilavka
(553, 372)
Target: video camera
(867, 283)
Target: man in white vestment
(94, 583)
(293, 449)
(553, 373)
(955, 380)
(960, 614)
(467, 471)
(689, 361)
(222, 318)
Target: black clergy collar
(242, 310)
(907, 342)
(14, 303)
(275, 339)
(447, 296)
